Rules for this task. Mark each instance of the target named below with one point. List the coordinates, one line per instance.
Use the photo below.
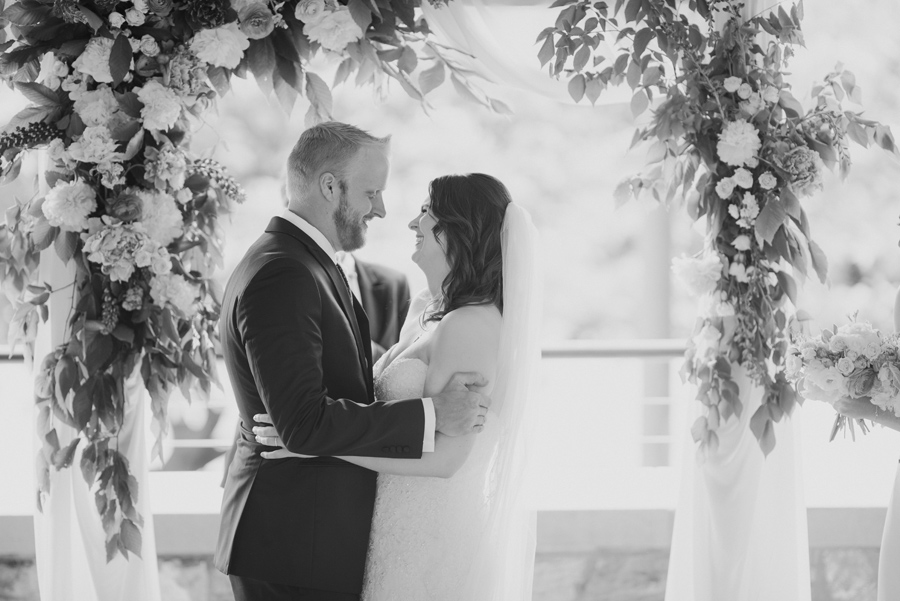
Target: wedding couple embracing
(399, 481)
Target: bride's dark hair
(469, 211)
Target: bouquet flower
(855, 360)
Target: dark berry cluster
(110, 312)
(29, 136)
(216, 173)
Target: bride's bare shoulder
(479, 320)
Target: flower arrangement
(730, 139)
(853, 360)
(117, 88)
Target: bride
(889, 557)
(460, 532)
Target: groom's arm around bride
(296, 346)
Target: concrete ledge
(194, 534)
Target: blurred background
(613, 422)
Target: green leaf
(791, 105)
(261, 60)
(633, 75)
(788, 285)
(577, 87)
(639, 103)
(463, 90)
(130, 104)
(39, 94)
(168, 326)
(25, 16)
(593, 89)
(92, 19)
(361, 13)
(65, 245)
(432, 78)
(641, 39)
(819, 261)
(581, 58)
(219, 78)
(770, 219)
(30, 115)
(500, 107)
(408, 60)
(63, 457)
(125, 131)
(319, 96)
(134, 144)
(547, 51)
(120, 59)
(131, 537)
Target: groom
(296, 346)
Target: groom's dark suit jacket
(292, 339)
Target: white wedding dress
(424, 530)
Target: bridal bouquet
(855, 360)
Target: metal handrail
(650, 348)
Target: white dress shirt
(319, 238)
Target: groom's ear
(329, 186)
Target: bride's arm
(466, 340)
(862, 408)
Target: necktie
(344, 277)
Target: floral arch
(117, 86)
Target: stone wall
(838, 574)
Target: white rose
(725, 187)
(752, 105)
(310, 11)
(732, 84)
(162, 106)
(845, 365)
(149, 47)
(184, 196)
(738, 143)
(744, 91)
(743, 178)
(116, 20)
(770, 94)
(767, 181)
(68, 205)
(741, 243)
(793, 364)
(335, 30)
(173, 289)
(134, 17)
(222, 47)
(752, 162)
(94, 60)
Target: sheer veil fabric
(504, 559)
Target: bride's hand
(861, 408)
(267, 435)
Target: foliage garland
(729, 138)
(117, 87)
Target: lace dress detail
(424, 529)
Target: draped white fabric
(70, 543)
(500, 36)
(740, 526)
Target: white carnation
(744, 91)
(770, 94)
(160, 217)
(173, 289)
(94, 146)
(223, 46)
(162, 106)
(68, 205)
(96, 107)
(335, 30)
(94, 60)
(738, 143)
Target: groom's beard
(350, 226)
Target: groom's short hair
(327, 147)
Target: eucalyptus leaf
(432, 77)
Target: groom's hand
(459, 410)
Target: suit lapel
(348, 305)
